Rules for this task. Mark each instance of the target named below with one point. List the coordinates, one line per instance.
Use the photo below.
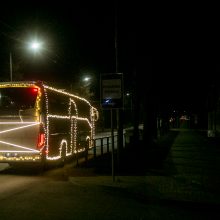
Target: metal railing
(103, 145)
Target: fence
(103, 145)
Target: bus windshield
(14, 99)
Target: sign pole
(113, 144)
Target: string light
(19, 146)
(18, 128)
(69, 147)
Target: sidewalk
(156, 180)
(181, 189)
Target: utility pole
(119, 110)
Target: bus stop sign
(112, 90)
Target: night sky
(179, 44)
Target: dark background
(170, 49)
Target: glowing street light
(35, 46)
(86, 79)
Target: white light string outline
(13, 129)
(73, 119)
(19, 146)
(18, 128)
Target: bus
(40, 123)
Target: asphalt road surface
(189, 168)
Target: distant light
(86, 79)
(35, 46)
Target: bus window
(17, 98)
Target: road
(190, 167)
(56, 194)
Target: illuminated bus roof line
(17, 84)
(66, 93)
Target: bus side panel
(59, 136)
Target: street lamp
(34, 46)
(86, 79)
